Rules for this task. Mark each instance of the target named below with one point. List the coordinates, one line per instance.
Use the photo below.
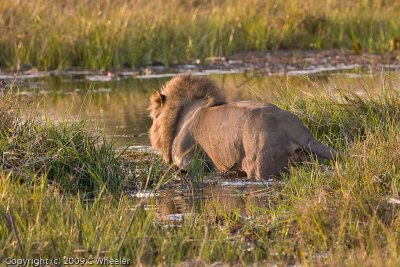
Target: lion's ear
(157, 98)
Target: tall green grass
(337, 213)
(53, 34)
(65, 154)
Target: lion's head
(166, 106)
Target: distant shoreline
(283, 62)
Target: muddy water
(180, 201)
(117, 107)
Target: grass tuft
(65, 153)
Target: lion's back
(223, 131)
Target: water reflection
(178, 201)
(119, 107)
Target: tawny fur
(179, 91)
(259, 139)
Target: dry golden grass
(105, 34)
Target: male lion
(257, 138)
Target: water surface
(117, 107)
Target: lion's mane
(167, 105)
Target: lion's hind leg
(271, 163)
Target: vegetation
(340, 213)
(62, 153)
(51, 34)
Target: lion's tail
(321, 150)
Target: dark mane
(179, 92)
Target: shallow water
(178, 201)
(117, 107)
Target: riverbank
(291, 63)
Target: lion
(190, 113)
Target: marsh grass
(64, 153)
(336, 213)
(107, 34)
(344, 117)
(198, 167)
